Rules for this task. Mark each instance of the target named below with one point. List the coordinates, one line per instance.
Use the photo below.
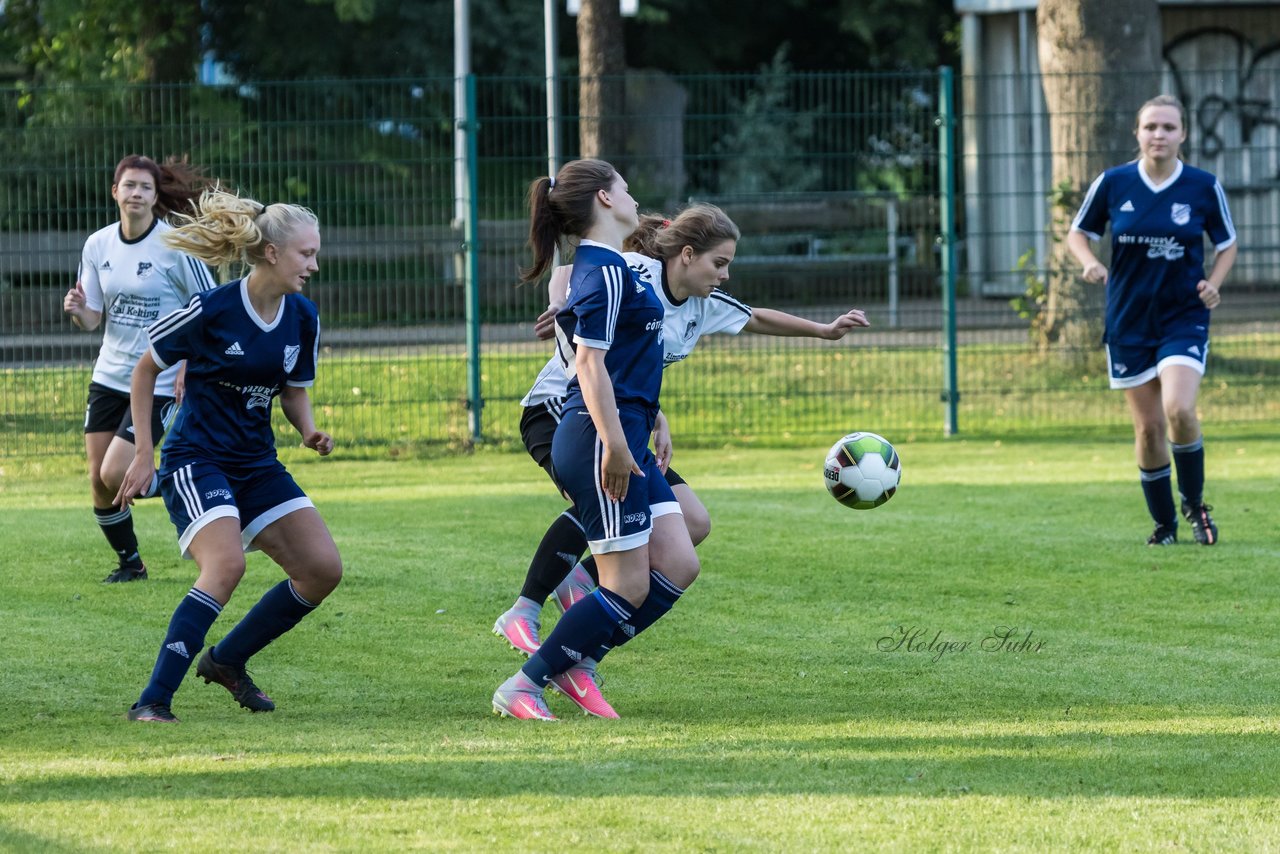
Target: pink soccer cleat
(577, 585)
(518, 630)
(580, 685)
(512, 701)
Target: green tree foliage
(846, 35)
(117, 41)
(102, 40)
(764, 152)
(371, 38)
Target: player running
(1158, 303)
(129, 278)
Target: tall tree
(712, 36)
(601, 81)
(105, 40)
(1100, 60)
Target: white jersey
(134, 283)
(683, 324)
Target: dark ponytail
(563, 207)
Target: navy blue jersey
(610, 309)
(1157, 247)
(236, 365)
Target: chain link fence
(833, 178)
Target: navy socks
(182, 643)
(583, 628)
(662, 597)
(279, 609)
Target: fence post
(947, 241)
(891, 226)
(471, 236)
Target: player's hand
(137, 478)
(180, 385)
(662, 448)
(73, 302)
(616, 468)
(1095, 273)
(320, 442)
(1209, 295)
(544, 327)
(842, 325)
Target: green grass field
(773, 710)
(746, 390)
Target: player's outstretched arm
(769, 321)
(295, 402)
(142, 394)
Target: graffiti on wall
(1229, 87)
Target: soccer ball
(862, 471)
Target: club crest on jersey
(144, 269)
(1181, 214)
(291, 357)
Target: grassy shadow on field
(828, 664)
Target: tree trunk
(1092, 113)
(601, 86)
(169, 40)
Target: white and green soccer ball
(862, 471)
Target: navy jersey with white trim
(610, 309)
(683, 323)
(1157, 246)
(237, 363)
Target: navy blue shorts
(1132, 366)
(538, 428)
(611, 526)
(199, 492)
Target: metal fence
(839, 182)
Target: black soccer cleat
(127, 573)
(156, 713)
(1163, 536)
(1206, 533)
(237, 681)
